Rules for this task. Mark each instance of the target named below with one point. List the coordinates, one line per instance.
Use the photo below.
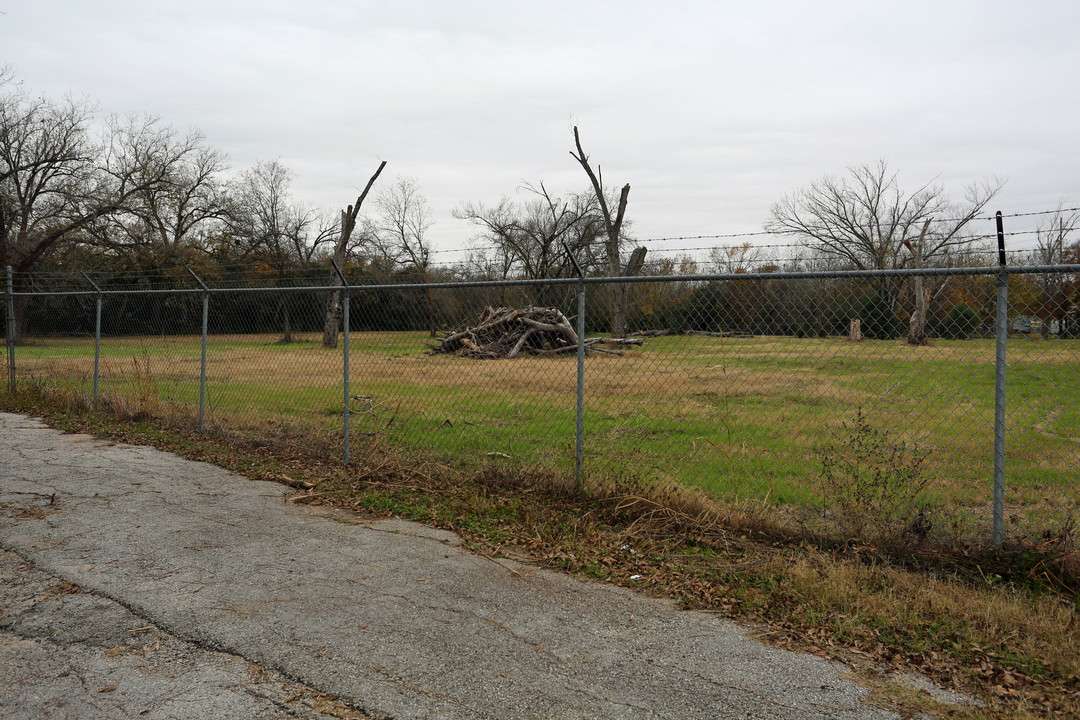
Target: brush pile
(508, 332)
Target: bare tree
(402, 224)
(735, 258)
(264, 217)
(193, 198)
(167, 222)
(528, 237)
(46, 162)
(269, 226)
(326, 229)
(400, 234)
(57, 183)
(613, 224)
(332, 320)
(868, 222)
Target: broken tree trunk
(620, 292)
(332, 320)
(917, 324)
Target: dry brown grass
(701, 366)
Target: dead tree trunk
(917, 324)
(613, 229)
(621, 293)
(332, 320)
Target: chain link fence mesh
(800, 393)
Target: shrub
(873, 486)
(879, 321)
(961, 323)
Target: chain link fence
(799, 392)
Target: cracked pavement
(67, 653)
(390, 617)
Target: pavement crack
(148, 618)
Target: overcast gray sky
(710, 110)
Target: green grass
(740, 418)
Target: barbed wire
(266, 271)
(775, 233)
(1061, 211)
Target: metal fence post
(10, 330)
(579, 428)
(345, 363)
(97, 337)
(202, 366)
(1001, 334)
(580, 431)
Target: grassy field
(742, 418)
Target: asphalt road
(139, 584)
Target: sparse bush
(873, 486)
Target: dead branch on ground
(509, 332)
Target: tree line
(133, 197)
(134, 194)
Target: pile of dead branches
(508, 332)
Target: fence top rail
(714, 277)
